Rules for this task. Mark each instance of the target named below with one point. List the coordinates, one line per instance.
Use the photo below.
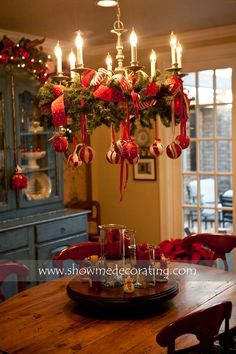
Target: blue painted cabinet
(33, 221)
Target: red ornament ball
(74, 161)
(134, 160)
(119, 146)
(86, 154)
(130, 150)
(18, 180)
(183, 141)
(60, 144)
(173, 150)
(157, 148)
(113, 157)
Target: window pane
(190, 219)
(224, 85)
(206, 156)
(192, 122)
(224, 156)
(205, 89)
(190, 85)
(225, 186)
(224, 120)
(206, 122)
(189, 158)
(207, 220)
(190, 190)
(207, 190)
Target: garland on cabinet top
(24, 55)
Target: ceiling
(59, 19)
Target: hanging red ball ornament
(134, 160)
(130, 150)
(157, 148)
(119, 146)
(18, 180)
(86, 154)
(113, 157)
(173, 150)
(60, 144)
(183, 141)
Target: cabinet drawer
(60, 228)
(46, 251)
(14, 239)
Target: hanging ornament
(173, 150)
(60, 143)
(183, 141)
(73, 159)
(119, 146)
(157, 148)
(112, 156)
(86, 154)
(130, 150)
(133, 161)
(18, 180)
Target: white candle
(179, 51)
(173, 44)
(153, 59)
(133, 42)
(72, 60)
(79, 46)
(109, 62)
(58, 53)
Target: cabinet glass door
(36, 155)
(3, 162)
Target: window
(207, 165)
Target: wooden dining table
(43, 319)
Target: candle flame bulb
(153, 59)
(109, 62)
(173, 45)
(133, 42)
(179, 51)
(72, 60)
(58, 53)
(79, 45)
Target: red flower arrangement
(176, 251)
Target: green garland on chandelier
(159, 92)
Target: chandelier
(118, 98)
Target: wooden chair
(77, 253)
(18, 269)
(204, 324)
(94, 218)
(220, 244)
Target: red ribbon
(58, 111)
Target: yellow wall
(139, 208)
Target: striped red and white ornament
(157, 148)
(173, 150)
(112, 156)
(86, 154)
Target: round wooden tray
(114, 299)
